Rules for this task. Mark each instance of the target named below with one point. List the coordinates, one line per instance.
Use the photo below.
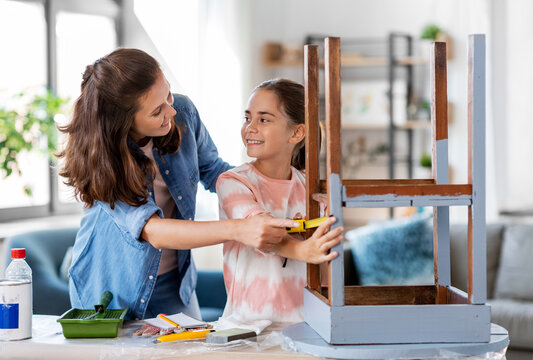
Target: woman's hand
(263, 231)
(315, 250)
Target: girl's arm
(314, 250)
(260, 231)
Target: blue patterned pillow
(394, 252)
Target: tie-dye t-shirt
(258, 285)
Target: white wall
(289, 21)
(198, 44)
(517, 94)
(135, 36)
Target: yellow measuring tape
(307, 224)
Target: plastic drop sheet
(48, 342)
(443, 354)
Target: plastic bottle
(18, 269)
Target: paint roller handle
(105, 300)
(100, 308)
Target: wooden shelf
(410, 124)
(350, 60)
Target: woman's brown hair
(291, 96)
(101, 162)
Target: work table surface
(48, 342)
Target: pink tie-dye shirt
(258, 286)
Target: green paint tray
(97, 323)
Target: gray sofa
(509, 279)
(46, 253)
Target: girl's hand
(263, 231)
(315, 250)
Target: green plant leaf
(22, 130)
(425, 160)
(430, 32)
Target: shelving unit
(393, 53)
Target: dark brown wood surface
(351, 182)
(390, 295)
(439, 94)
(410, 190)
(453, 296)
(312, 146)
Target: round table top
(304, 339)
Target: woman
(135, 154)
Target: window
(76, 49)
(80, 34)
(23, 70)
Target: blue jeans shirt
(109, 253)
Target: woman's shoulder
(183, 103)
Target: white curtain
(203, 47)
(513, 96)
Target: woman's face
(154, 117)
(267, 132)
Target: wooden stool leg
(439, 124)
(333, 163)
(312, 148)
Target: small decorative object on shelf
(433, 33)
(278, 54)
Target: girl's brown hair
(101, 162)
(291, 96)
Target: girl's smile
(250, 142)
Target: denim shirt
(109, 253)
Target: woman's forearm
(188, 234)
(260, 231)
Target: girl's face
(154, 118)
(267, 131)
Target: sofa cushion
(517, 317)
(394, 252)
(514, 280)
(459, 255)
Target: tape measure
(307, 224)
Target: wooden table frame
(438, 313)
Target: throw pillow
(394, 252)
(514, 280)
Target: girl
(135, 154)
(259, 285)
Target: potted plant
(24, 128)
(433, 32)
(425, 164)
